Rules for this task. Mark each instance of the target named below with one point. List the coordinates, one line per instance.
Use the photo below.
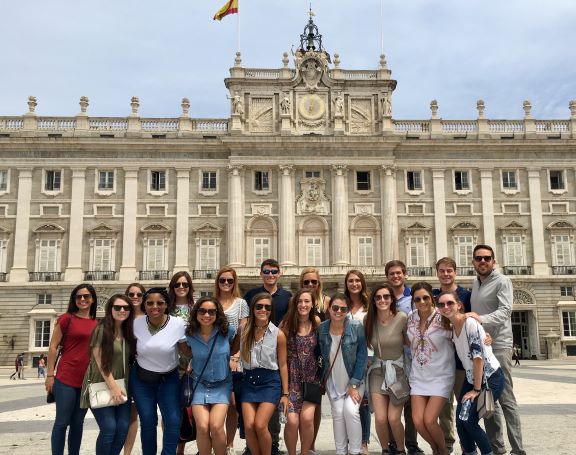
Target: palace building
(310, 168)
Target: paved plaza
(546, 392)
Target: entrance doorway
(521, 333)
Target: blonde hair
(319, 295)
(235, 288)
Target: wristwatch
(354, 386)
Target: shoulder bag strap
(206, 364)
(337, 351)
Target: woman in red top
(72, 331)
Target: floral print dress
(302, 367)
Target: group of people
(271, 356)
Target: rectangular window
(312, 174)
(41, 334)
(3, 180)
(208, 260)
(44, 299)
(363, 181)
(314, 251)
(562, 254)
(48, 252)
(261, 250)
(209, 180)
(365, 251)
(157, 180)
(155, 254)
(569, 323)
(514, 250)
(53, 181)
(416, 252)
(414, 180)
(106, 180)
(566, 291)
(261, 181)
(464, 249)
(557, 180)
(509, 181)
(461, 180)
(102, 255)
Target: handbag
(188, 423)
(399, 392)
(486, 406)
(99, 393)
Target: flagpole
(238, 27)
(381, 27)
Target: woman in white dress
(433, 366)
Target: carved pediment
(513, 226)
(417, 226)
(155, 227)
(464, 226)
(562, 224)
(103, 229)
(208, 228)
(49, 228)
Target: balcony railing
(517, 270)
(465, 271)
(3, 276)
(204, 274)
(100, 275)
(420, 271)
(151, 275)
(564, 270)
(45, 276)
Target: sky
(454, 51)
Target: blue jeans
(469, 431)
(166, 396)
(366, 421)
(68, 414)
(113, 422)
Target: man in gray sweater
(491, 302)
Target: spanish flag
(231, 7)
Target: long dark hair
(363, 292)
(221, 322)
(371, 318)
(249, 327)
(73, 308)
(446, 324)
(135, 285)
(290, 321)
(172, 294)
(107, 325)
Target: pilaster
(540, 266)
(488, 208)
(341, 235)
(439, 213)
(287, 222)
(128, 267)
(182, 219)
(235, 216)
(390, 248)
(73, 272)
(19, 271)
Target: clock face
(311, 107)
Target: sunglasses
(263, 306)
(483, 258)
(208, 311)
(83, 297)
(270, 271)
(121, 308)
(135, 294)
(226, 280)
(181, 285)
(446, 304)
(339, 309)
(151, 303)
(310, 282)
(379, 297)
(426, 298)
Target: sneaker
(364, 450)
(415, 450)
(230, 451)
(392, 448)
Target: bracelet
(285, 394)
(477, 390)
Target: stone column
(439, 213)
(389, 214)
(182, 219)
(128, 267)
(73, 272)
(487, 208)
(235, 216)
(287, 220)
(540, 266)
(340, 231)
(19, 271)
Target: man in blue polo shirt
(270, 273)
(396, 276)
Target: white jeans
(346, 424)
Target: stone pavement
(546, 392)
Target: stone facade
(311, 168)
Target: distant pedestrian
(42, 366)
(13, 375)
(516, 355)
(20, 365)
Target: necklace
(154, 329)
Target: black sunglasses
(226, 280)
(208, 311)
(263, 306)
(126, 308)
(180, 285)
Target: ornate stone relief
(312, 198)
(363, 209)
(361, 116)
(261, 209)
(522, 297)
(261, 115)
